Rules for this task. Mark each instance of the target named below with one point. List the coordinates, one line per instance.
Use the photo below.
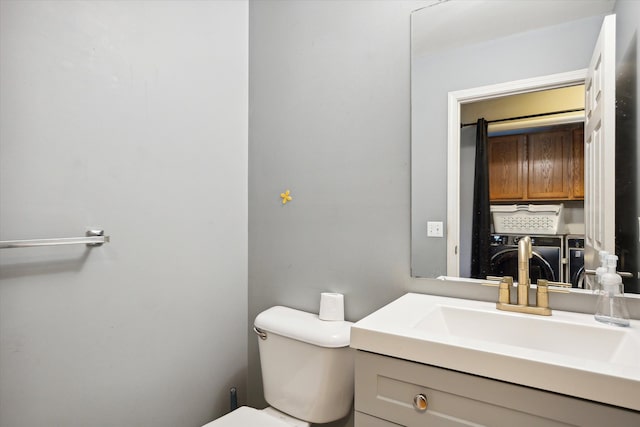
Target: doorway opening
(465, 97)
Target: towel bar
(93, 238)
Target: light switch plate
(435, 229)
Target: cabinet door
(549, 155)
(577, 168)
(506, 167)
(385, 389)
(364, 420)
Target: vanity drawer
(386, 387)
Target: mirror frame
(455, 100)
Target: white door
(599, 135)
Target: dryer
(546, 262)
(575, 262)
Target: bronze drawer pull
(420, 402)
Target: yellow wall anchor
(286, 197)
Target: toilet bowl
(307, 371)
(246, 416)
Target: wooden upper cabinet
(506, 167)
(547, 165)
(549, 160)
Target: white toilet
(307, 371)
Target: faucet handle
(543, 289)
(557, 287)
(505, 285)
(502, 279)
(559, 284)
(504, 294)
(542, 293)
(548, 286)
(559, 291)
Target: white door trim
(456, 99)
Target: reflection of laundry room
(536, 164)
(557, 254)
(535, 149)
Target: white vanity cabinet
(386, 386)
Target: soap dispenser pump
(611, 307)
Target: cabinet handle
(420, 402)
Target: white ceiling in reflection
(450, 23)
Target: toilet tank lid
(305, 327)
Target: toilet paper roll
(331, 306)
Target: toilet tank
(307, 365)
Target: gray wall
(329, 120)
(554, 49)
(329, 96)
(144, 105)
(131, 116)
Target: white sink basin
(568, 353)
(588, 341)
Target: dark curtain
(481, 210)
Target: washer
(575, 261)
(546, 262)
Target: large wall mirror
(461, 47)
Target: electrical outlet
(435, 229)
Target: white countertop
(568, 353)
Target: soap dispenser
(611, 307)
(597, 286)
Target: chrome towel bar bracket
(93, 238)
